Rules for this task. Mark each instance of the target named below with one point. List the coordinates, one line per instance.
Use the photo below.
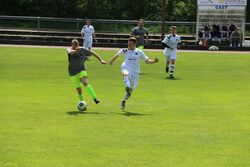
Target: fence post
(193, 30)
(38, 23)
(77, 24)
(116, 29)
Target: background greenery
(179, 10)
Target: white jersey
(172, 42)
(132, 59)
(88, 31)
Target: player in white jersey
(88, 32)
(170, 42)
(131, 67)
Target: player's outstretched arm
(98, 57)
(149, 61)
(113, 59)
(72, 51)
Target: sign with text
(222, 2)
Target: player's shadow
(174, 79)
(75, 113)
(131, 114)
(145, 74)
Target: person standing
(139, 33)
(88, 33)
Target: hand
(103, 62)
(110, 63)
(156, 60)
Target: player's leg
(172, 65)
(134, 78)
(90, 44)
(89, 88)
(127, 82)
(167, 63)
(77, 84)
(126, 77)
(79, 91)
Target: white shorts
(171, 56)
(88, 43)
(133, 77)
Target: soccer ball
(213, 48)
(82, 106)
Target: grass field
(201, 119)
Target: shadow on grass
(174, 79)
(129, 114)
(75, 113)
(145, 74)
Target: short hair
(75, 42)
(133, 39)
(142, 20)
(173, 27)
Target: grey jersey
(76, 62)
(137, 31)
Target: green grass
(202, 119)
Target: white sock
(172, 68)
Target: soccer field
(201, 119)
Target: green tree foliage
(180, 10)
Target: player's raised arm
(149, 61)
(98, 57)
(113, 59)
(72, 51)
(119, 53)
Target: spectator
(235, 38)
(224, 30)
(139, 32)
(232, 28)
(206, 33)
(216, 31)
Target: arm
(165, 45)
(113, 59)
(147, 37)
(72, 51)
(82, 35)
(94, 36)
(132, 34)
(98, 57)
(149, 61)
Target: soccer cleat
(123, 105)
(96, 101)
(167, 69)
(171, 77)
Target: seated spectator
(235, 38)
(206, 33)
(224, 30)
(216, 31)
(232, 28)
(206, 27)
